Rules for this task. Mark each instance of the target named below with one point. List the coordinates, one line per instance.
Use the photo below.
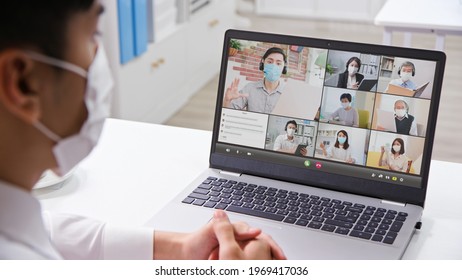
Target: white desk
(139, 167)
(442, 17)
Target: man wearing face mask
(55, 88)
(351, 78)
(345, 115)
(261, 96)
(406, 71)
(405, 123)
(288, 143)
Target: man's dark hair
(38, 24)
(291, 122)
(274, 50)
(345, 95)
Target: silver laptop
(338, 205)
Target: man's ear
(16, 94)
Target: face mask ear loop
(58, 63)
(50, 134)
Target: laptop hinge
(230, 173)
(394, 203)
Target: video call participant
(351, 78)
(405, 123)
(406, 71)
(260, 96)
(346, 115)
(396, 160)
(340, 150)
(288, 143)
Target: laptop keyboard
(301, 209)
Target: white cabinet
(351, 10)
(153, 86)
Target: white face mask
(405, 76)
(345, 105)
(71, 150)
(396, 148)
(352, 70)
(290, 132)
(400, 112)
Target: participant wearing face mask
(396, 160)
(345, 115)
(54, 98)
(405, 123)
(260, 96)
(350, 78)
(340, 150)
(406, 72)
(287, 142)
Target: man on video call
(406, 71)
(287, 143)
(260, 96)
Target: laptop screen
(332, 108)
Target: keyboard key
(216, 184)
(373, 224)
(390, 216)
(329, 210)
(247, 199)
(368, 212)
(345, 219)
(227, 191)
(199, 196)
(396, 226)
(339, 206)
(384, 226)
(315, 225)
(381, 210)
(359, 227)
(293, 208)
(314, 197)
(369, 229)
(390, 238)
(402, 214)
(225, 195)
(248, 205)
(290, 220)
(237, 203)
(221, 206)
(281, 206)
(341, 230)
(232, 182)
(362, 222)
(217, 189)
(226, 201)
(318, 219)
(212, 178)
(316, 213)
(294, 214)
(188, 200)
(341, 212)
(365, 217)
(205, 187)
(199, 202)
(328, 215)
(252, 212)
(306, 217)
(301, 222)
(379, 214)
(393, 212)
(328, 228)
(260, 208)
(210, 204)
(376, 219)
(336, 201)
(353, 209)
(206, 182)
(326, 199)
(269, 204)
(387, 221)
(371, 208)
(271, 210)
(338, 223)
(347, 203)
(222, 180)
(377, 238)
(258, 202)
(360, 234)
(357, 205)
(400, 218)
(282, 212)
(381, 232)
(201, 191)
(213, 193)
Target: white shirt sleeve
(413, 130)
(76, 237)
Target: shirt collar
(261, 84)
(21, 220)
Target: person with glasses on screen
(260, 96)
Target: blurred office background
(165, 54)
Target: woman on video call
(396, 160)
(340, 150)
(350, 78)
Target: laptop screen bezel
(359, 186)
